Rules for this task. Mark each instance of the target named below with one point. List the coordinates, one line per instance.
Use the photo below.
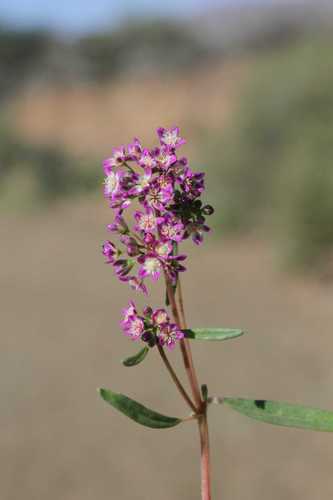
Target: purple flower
(163, 249)
(169, 334)
(164, 157)
(137, 284)
(145, 222)
(158, 196)
(134, 149)
(171, 228)
(109, 251)
(192, 183)
(117, 159)
(150, 266)
(147, 159)
(133, 327)
(142, 182)
(129, 311)
(112, 185)
(170, 137)
(160, 316)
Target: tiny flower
(159, 194)
(170, 137)
(134, 327)
(137, 284)
(142, 182)
(192, 183)
(160, 316)
(134, 149)
(147, 159)
(146, 222)
(171, 228)
(164, 157)
(116, 160)
(129, 311)
(169, 334)
(150, 266)
(109, 251)
(164, 249)
(112, 184)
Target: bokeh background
(250, 84)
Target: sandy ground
(60, 340)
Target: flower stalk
(170, 211)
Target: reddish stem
(205, 461)
(176, 379)
(185, 348)
(201, 410)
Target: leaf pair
(272, 412)
(195, 334)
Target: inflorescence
(170, 211)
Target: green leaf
(137, 358)
(137, 411)
(286, 414)
(212, 333)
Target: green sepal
(212, 333)
(137, 411)
(137, 358)
(285, 414)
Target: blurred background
(250, 83)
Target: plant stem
(205, 460)
(185, 348)
(201, 409)
(176, 379)
(202, 422)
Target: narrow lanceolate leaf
(137, 358)
(212, 333)
(137, 411)
(286, 414)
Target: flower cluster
(169, 209)
(152, 327)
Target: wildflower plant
(156, 202)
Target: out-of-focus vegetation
(158, 45)
(140, 47)
(31, 175)
(275, 161)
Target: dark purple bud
(208, 210)
(147, 311)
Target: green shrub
(275, 159)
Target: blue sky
(85, 15)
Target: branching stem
(201, 406)
(176, 379)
